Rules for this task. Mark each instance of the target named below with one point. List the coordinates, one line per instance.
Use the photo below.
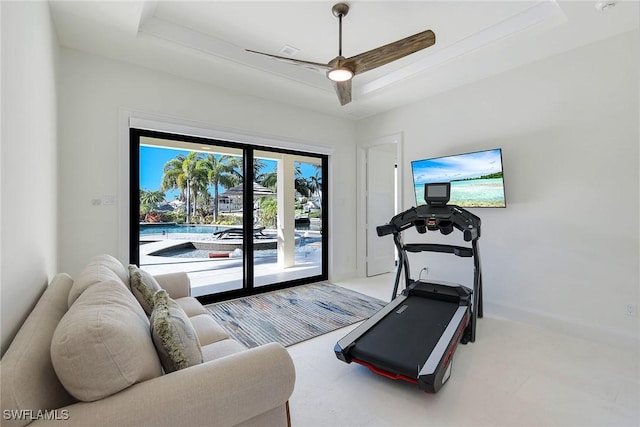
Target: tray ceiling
(206, 41)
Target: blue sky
(451, 168)
(153, 159)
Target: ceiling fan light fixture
(341, 74)
(341, 70)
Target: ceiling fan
(340, 70)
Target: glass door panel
(191, 212)
(287, 217)
(238, 219)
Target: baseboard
(345, 275)
(589, 331)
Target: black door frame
(248, 287)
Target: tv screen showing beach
(476, 178)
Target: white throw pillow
(100, 268)
(102, 344)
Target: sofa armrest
(177, 285)
(221, 392)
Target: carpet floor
(292, 315)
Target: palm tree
(181, 174)
(219, 170)
(268, 211)
(258, 165)
(148, 201)
(315, 184)
(198, 186)
(172, 177)
(302, 186)
(300, 182)
(270, 180)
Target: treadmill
(413, 338)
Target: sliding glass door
(237, 218)
(291, 206)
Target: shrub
(227, 220)
(179, 217)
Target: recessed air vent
(288, 50)
(605, 5)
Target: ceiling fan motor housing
(340, 9)
(341, 70)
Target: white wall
(564, 253)
(568, 127)
(28, 160)
(94, 91)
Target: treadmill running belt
(403, 340)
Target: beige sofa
(114, 377)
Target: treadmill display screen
(436, 190)
(437, 193)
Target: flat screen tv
(476, 178)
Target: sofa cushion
(143, 287)
(101, 268)
(114, 265)
(102, 344)
(207, 329)
(221, 348)
(173, 335)
(28, 379)
(191, 306)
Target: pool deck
(221, 274)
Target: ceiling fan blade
(343, 89)
(384, 54)
(323, 67)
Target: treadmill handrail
(461, 251)
(459, 218)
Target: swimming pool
(180, 228)
(190, 250)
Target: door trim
(361, 186)
(248, 274)
(136, 119)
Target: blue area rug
(292, 315)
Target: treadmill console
(437, 193)
(444, 218)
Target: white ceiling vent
(288, 50)
(605, 5)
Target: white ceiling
(206, 41)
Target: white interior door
(381, 161)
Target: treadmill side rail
(433, 381)
(447, 337)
